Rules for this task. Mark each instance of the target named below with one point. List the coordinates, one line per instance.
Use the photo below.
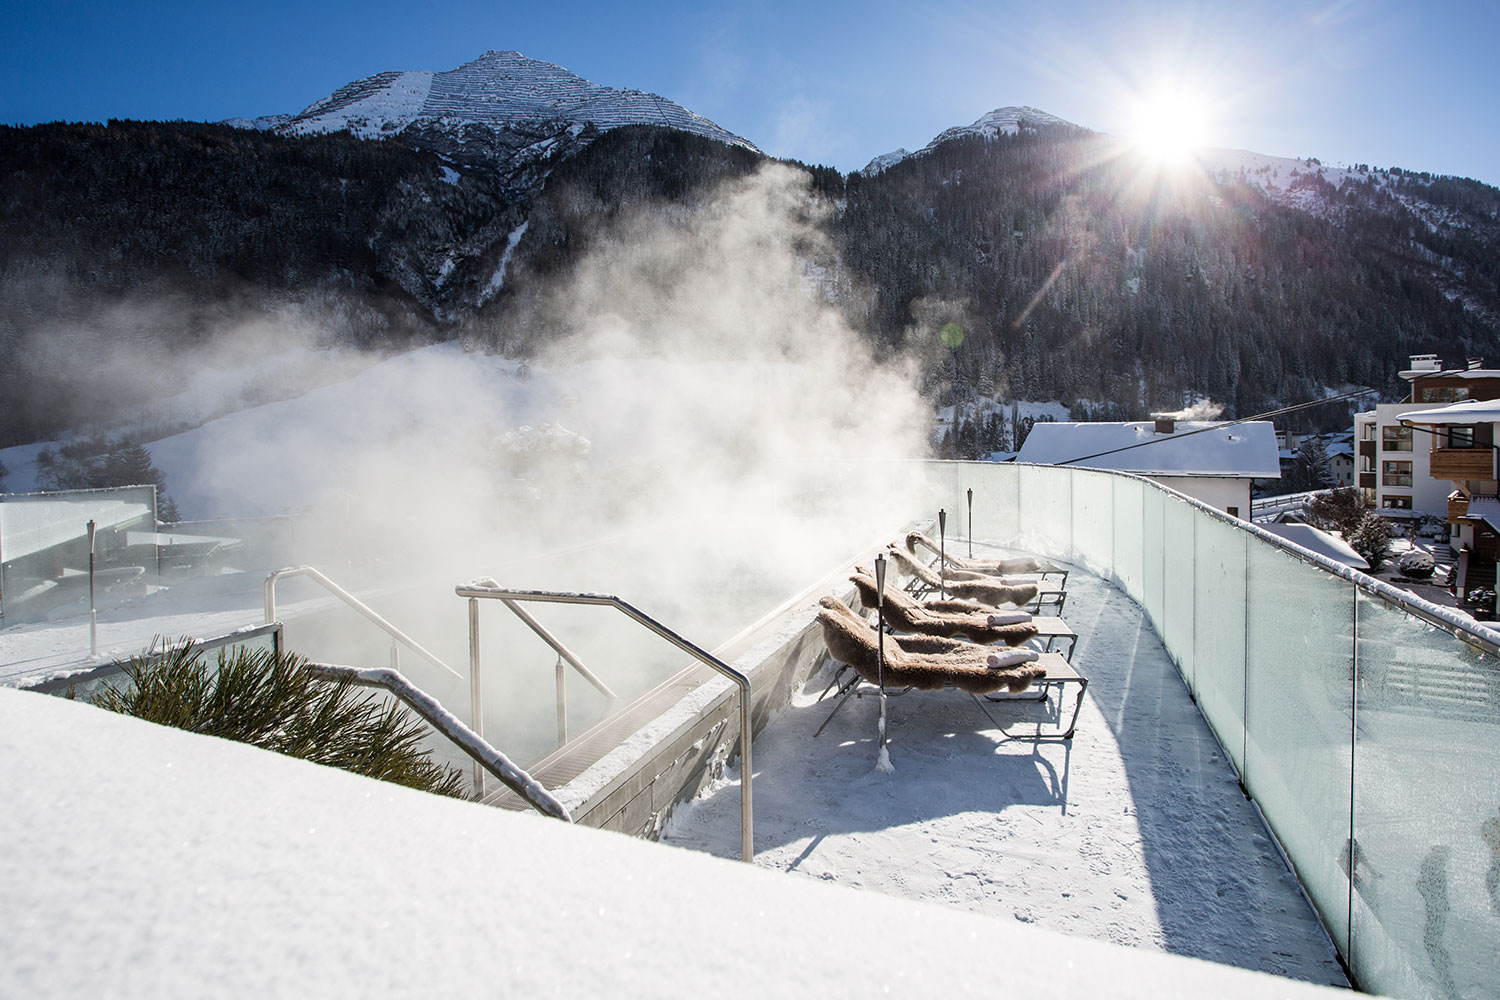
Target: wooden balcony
(1367, 480)
(1367, 449)
(1463, 464)
(1458, 506)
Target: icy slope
(499, 90)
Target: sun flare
(1169, 129)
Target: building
(1460, 452)
(1341, 461)
(1211, 462)
(1393, 469)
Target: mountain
(1082, 275)
(1001, 121)
(409, 208)
(502, 111)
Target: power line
(1222, 424)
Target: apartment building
(1394, 457)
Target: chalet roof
(1234, 451)
(1473, 411)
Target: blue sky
(1378, 81)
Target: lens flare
(1169, 128)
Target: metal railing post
(562, 705)
(476, 692)
(473, 591)
(369, 613)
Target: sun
(1169, 129)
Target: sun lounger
(1060, 675)
(994, 594)
(855, 643)
(962, 619)
(1008, 566)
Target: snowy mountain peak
(503, 91)
(1007, 120)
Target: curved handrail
(356, 604)
(476, 591)
(445, 722)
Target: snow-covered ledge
(150, 862)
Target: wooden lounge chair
(969, 667)
(1009, 566)
(1000, 675)
(966, 619)
(1015, 564)
(963, 619)
(989, 592)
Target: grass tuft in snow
(268, 700)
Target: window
(1444, 394)
(1395, 438)
(1367, 432)
(1369, 494)
(1367, 464)
(1395, 473)
(1232, 511)
(1460, 437)
(1396, 503)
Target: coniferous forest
(1076, 276)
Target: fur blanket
(994, 594)
(975, 669)
(907, 614)
(1015, 564)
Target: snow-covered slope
(1008, 120)
(500, 91)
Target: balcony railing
(1359, 717)
(1463, 464)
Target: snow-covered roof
(1473, 411)
(195, 866)
(1318, 541)
(1235, 451)
(35, 525)
(1486, 509)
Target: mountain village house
(1209, 461)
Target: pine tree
(268, 700)
(1372, 540)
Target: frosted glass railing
(1364, 721)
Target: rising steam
(1204, 409)
(686, 443)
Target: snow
(370, 108)
(1134, 833)
(498, 90)
(1474, 411)
(497, 280)
(148, 862)
(1319, 541)
(1246, 450)
(35, 527)
(1005, 121)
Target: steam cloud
(686, 444)
(1204, 409)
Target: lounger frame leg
(848, 689)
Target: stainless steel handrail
(474, 592)
(358, 605)
(445, 722)
(52, 685)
